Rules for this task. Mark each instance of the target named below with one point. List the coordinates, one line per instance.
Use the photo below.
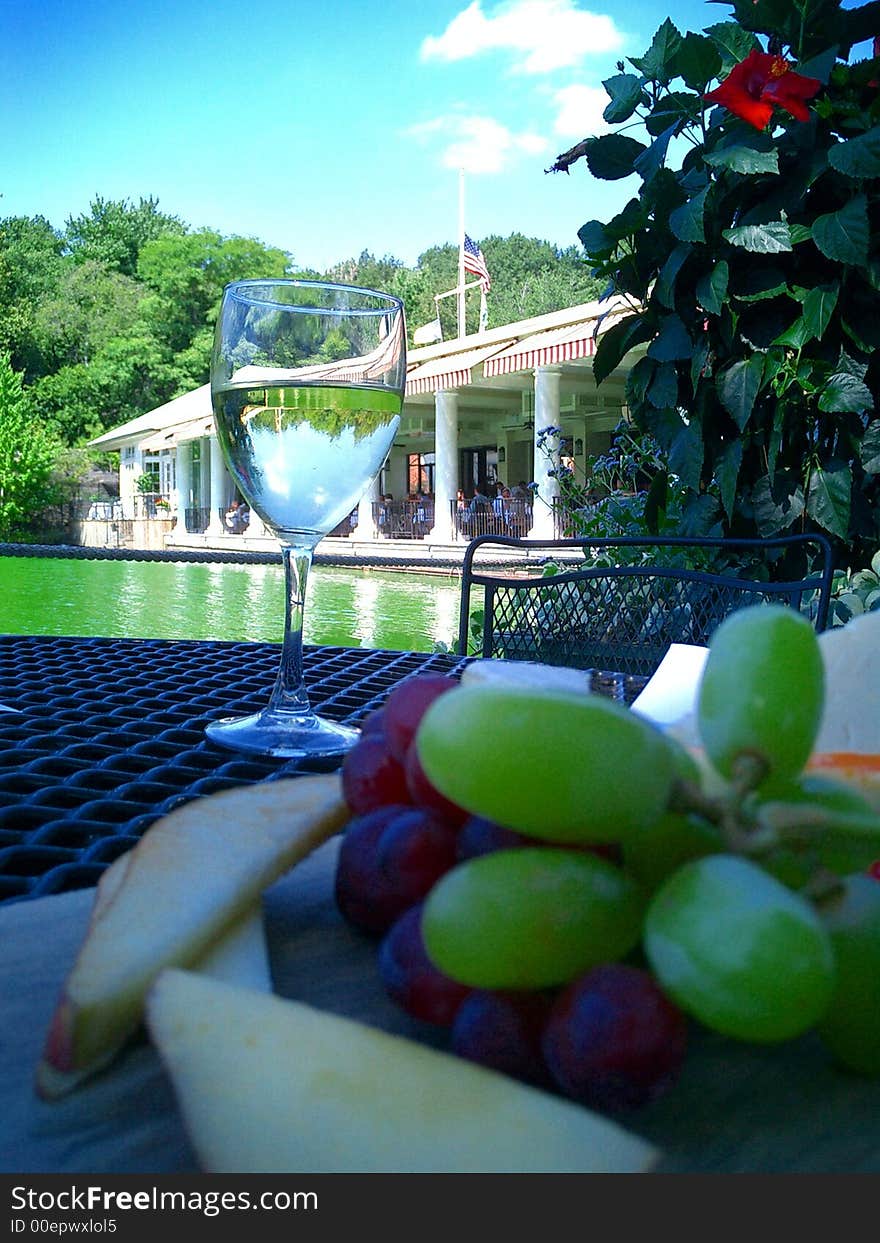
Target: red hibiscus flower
(759, 82)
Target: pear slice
(192, 877)
(267, 1085)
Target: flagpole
(461, 301)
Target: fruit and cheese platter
(523, 929)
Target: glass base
(289, 735)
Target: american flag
(474, 262)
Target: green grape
(832, 849)
(534, 917)
(739, 951)
(656, 852)
(762, 692)
(556, 766)
(851, 1025)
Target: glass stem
(289, 693)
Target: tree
(30, 265)
(114, 232)
(188, 273)
(27, 458)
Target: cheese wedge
(193, 876)
(267, 1085)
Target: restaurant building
(473, 416)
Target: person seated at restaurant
(237, 517)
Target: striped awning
(451, 371)
(558, 345)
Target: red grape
(613, 1039)
(363, 893)
(411, 979)
(414, 850)
(374, 723)
(424, 794)
(407, 704)
(372, 777)
(502, 1030)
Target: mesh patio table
(108, 735)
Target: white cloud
(479, 144)
(579, 111)
(543, 35)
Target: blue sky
(323, 129)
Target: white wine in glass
(307, 384)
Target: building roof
(562, 336)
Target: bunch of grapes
(566, 888)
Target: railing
(197, 519)
(343, 529)
(509, 516)
(403, 519)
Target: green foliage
(113, 233)
(752, 271)
(27, 458)
(855, 592)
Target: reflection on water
(167, 600)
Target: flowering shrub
(752, 269)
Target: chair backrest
(618, 604)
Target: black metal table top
(109, 735)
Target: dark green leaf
(744, 159)
(776, 506)
(761, 239)
(651, 161)
(686, 222)
(612, 156)
(614, 343)
(844, 235)
(686, 455)
(697, 60)
(656, 502)
(626, 93)
(638, 381)
(869, 449)
(733, 42)
(796, 335)
(819, 307)
(672, 341)
(819, 66)
(712, 289)
(672, 111)
(665, 288)
(663, 389)
(594, 238)
(847, 365)
(663, 425)
(700, 362)
(775, 441)
(658, 62)
(800, 233)
(858, 157)
(727, 466)
(845, 394)
(756, 282)
(738, 386)
(699, 516)
(829, 496)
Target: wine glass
(307, 383)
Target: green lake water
(400, 611)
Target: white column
(183, 474)
(217, 488)
(546, 415)
(445, 465)
(366, 527)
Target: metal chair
(633, 598)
